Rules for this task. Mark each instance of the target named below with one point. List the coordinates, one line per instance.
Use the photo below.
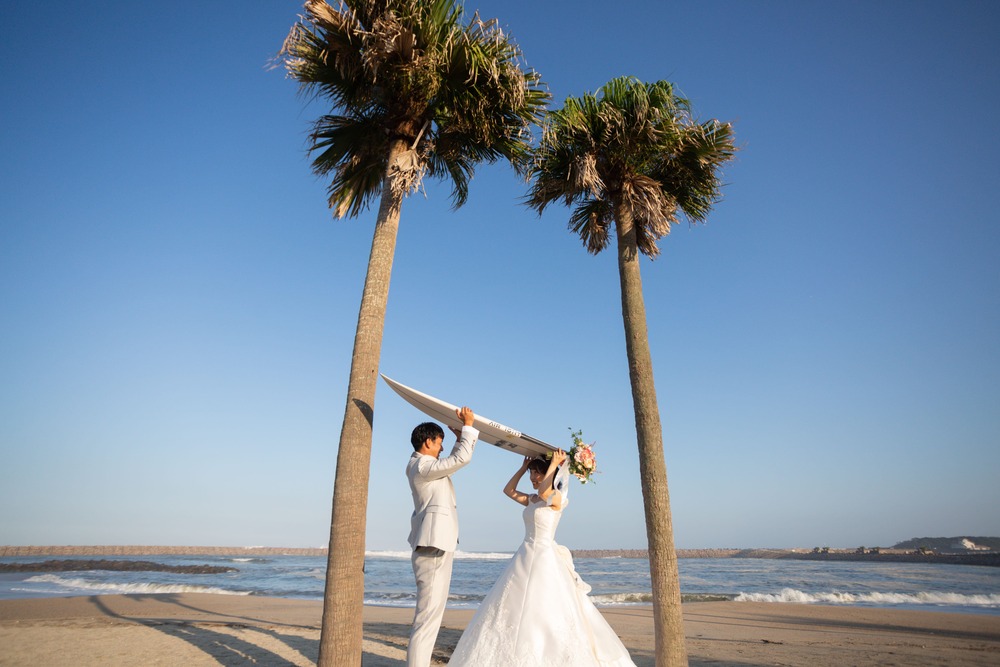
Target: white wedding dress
(538, 612)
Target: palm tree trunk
(668, 623)
(343, 598)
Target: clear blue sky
(177, 306)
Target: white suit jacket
(434, 522)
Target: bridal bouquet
(582, 462)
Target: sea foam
(114, 588)
(475, 555)
(459, 555)
(879, 599)
(613, 599)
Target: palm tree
(414, 92)
(632, 157)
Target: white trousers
(432, 569)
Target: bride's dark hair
(540, 466)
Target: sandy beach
(200, 629)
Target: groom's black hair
(425, 431)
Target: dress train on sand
(538, 612)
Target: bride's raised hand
(558, 457)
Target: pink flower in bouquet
(584, 457)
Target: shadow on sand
(233, 640)
(241, 639)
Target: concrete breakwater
(991, 559)
(642, 553)
(884, 556)
(250, 552)
(76, 565)
(246, 552)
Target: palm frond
(355, 154)
(690, 173)
(591, 220)
(354, 187)
(550, 176)
(459, 169)
(637, 146)
(363, 12)
(411, 70)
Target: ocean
(615, 581)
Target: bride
(538, 612)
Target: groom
(434, 526)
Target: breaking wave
(113, 588)
(879, 599)
(613, 599)
(459, 555)
(473, 555)
(388, 554)
(621, 599)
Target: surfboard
(490, 431)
